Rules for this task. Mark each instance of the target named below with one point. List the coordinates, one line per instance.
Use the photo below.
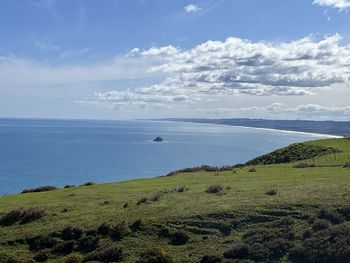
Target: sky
(127, 59)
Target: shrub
(345, 211)
(120, 230)
(332, 216)
(74, 258)
(88, 243)
(154, 256)
(320, 224)
(64, 247)
(178, 238)
(272, 191)
(303, 165)
(142, 200)
(125, 205)
(252, 170)
(136, 225)
(41, 242)
(39, 189)
(157, 197)
(214, 189)
(110, 254)
(210, 259)
(72, 233)
(330, 245)
(181, 189)
(88, 183)
(69, 186)
(23, 215)
(104, 229)
(42, 256)
(347, 165)
(237, 251)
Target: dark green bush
(330, 215)
(41, 242)
(88, 183)
(105, 229)
(72, 233)
(120, 230)
(136, 225)
(211, 259)
(179, 237)
(142, 200)
(252, 170)
(9, 259)
(74, 258)
(23, 215)
(272, 191)
(181, 189)
(347, 165)
(329, 245)
(40, 189)
(320, 224)
(345, 211)
(64, 247)
(157, 197)
(69, 186)
(42, 256)
(154, 256)
(237, 251)
(214, 189)
(110, 254)
(88, 243)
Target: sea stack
(158, 139)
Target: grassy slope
(303, 190)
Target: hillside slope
(264, 213)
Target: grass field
(275, 213)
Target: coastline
(328, 136)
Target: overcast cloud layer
(222, 69)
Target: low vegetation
(277, 214)
(39, 189)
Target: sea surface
(37, 152)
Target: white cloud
(340, 4)
(192, 8)
(220, 69)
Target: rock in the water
(158, 139)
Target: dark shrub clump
(320, 224)
(42, 256)
(181, 189)
(154, 256)
(332, 216)
(136, 225)
(110, 254)
(8, 259)
(142, 200)
(272, 192)
(120, 230)
(41, 242)
(72, 233)
(157, 197)
(88, 184)
(210, 259)
(214, 189)
(88, 243)
(64, 247)
(347, 165)
(178, 238)
(237, 251)
(345, 211)
(252, 170)
(23, 215)
(104, 229)
(329, 245)
(40, 189)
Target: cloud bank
(221, 69)
(340, 4)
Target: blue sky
(73, 59)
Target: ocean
(36, 152)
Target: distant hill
(340, 128)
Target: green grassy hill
(265, 213)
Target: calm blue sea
(58, 152)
